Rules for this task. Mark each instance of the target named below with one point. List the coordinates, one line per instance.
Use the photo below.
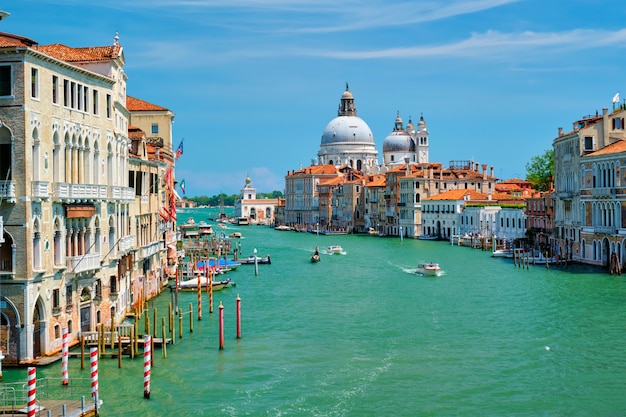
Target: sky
(254, 83)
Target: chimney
(484, 171)
(560, 131)
(491, 171)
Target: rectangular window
(6, 83)
(34, 83)
(56, 300)
(95, 101)
(108, 106)
(66, 93)
(85, 98)
(68, 295)
(155, 128)
(79, 91)
(73, 95)
(588, 143)
(55, 89)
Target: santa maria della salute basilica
(347, 141)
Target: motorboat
(283, 228)
(430, 269)
(335, 249)
(250, 260)
(192, 284)
(235, 235)
(221, 263)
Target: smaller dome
(399, 141)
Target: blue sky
(253, 84)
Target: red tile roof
(619, 146)
(458, 195)
(88, 54)
(11, 40)
(135, 104)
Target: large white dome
(348, 130)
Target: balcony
(149, 250)
(7, 191)
(83, 263)
(122, 194)
(603, 192)
(40, 190)
(70, 193)
(605, 230)
(126, 244)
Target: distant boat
(316, 256)
(192, 284)
(235, 235)
(430, 269)
(243, 221)
(260, 261)
(428, 237)
(189, 229)
(283, 228)
(335, 249)
(221, 263)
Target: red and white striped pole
(31, 408)
(147, 353)
(211, 292)
(221, 326)
(64, 358)
(93, 360)
(199, 299)
(238, 317)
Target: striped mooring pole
(238, 300)
(199, 299)
(147, 353)
(221, 325)
(31, 408)
(64, 358)
(93, 361)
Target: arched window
(36, 245)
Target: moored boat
(192, 284)
(259, 260)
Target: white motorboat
(335, 249)
(430, 269)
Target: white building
(347, 140)
(252, 210)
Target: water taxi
(430, 269)
(335, 249)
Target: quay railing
(50, 393)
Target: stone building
(252, 210)
(64, 192)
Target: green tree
(540, 170)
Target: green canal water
(362, 334)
